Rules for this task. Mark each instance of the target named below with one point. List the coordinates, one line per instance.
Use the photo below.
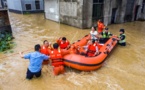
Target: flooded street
(124, 68)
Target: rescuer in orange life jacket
(56, 58)
(101, 26)
(45, 50)
(63, 43)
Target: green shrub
(5, 41)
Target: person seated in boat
(82, 50)
(92, 49)
(45, 50)
(97, 42)
(94, 33)
(57, 62)
(85, 50)
(122, 38)
(105, 35)
(63, 43)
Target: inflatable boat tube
(84, 63)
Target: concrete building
(25, 6)
(3, 4)
(139, 10)
(4, 22)
(71, 12)
(84, 13)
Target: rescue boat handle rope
(15, 53)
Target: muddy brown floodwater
(124, 68)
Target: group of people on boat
(100, 37)
(46, 54)
(103, 36)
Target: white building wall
(14, 4)
(0, 4)
(33, 7)
(52, 10)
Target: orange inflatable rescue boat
(84, 63)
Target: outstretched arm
(104, 26)
(21, 54)
(27, 56)
(58, 40)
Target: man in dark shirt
(105, 36)
(122, 38)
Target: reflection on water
(124, 68)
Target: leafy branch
(6, 41)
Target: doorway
(97, 9)
(136, 12)
(129, 10)
(113, 15)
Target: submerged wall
(33, 6)
(15, 5)
(4, 22)
(141, 13)
(52, 10)
(76, 13)
(71, 12)
(121, 9)
(107, 11)
(114, 11)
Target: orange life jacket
(63, 45)
(91, 50)
(56, 57)
(73, 49)
(44, 50)
(100, 27)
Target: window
(37, 4)
(143, 6)
(98, 1)
(142, 9)
(101, 1)
(97, 9)
(143, 1)
(28, 6)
